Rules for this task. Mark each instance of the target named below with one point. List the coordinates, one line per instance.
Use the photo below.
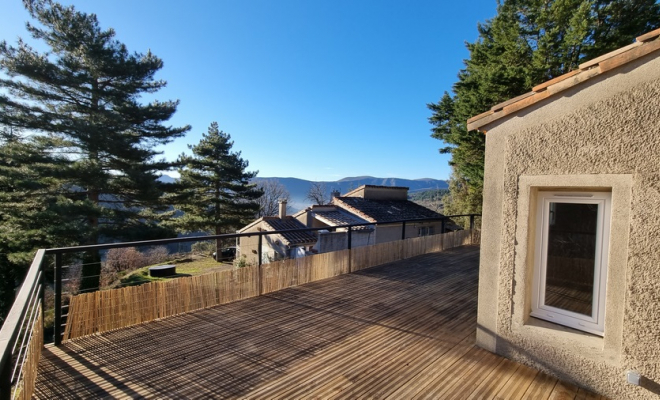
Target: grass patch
(188, 266)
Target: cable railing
(22, 334)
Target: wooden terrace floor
(400, 331)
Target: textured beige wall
(390, 233)
(603, 134)
(247, 246)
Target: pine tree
(86, 93)
(36, 210)
(526, 43)
(214, 191)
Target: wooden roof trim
(645, 44)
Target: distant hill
(298, 188)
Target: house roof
(288, 222)
(384, 210)
(338, 217)
(643, 45)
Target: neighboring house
(334, 239)
(276, 246)
(385, 204)
(570, 257)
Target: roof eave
(644, 45)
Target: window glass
(571, 256)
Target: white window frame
(596, 322)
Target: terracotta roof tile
(645, 44)
(648, 36)
(558, 79)
(595, 61)
(500, 106)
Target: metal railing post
(403, 230)
(259, 248)
(471, 221)
(350, 237)
(57, 332)
(259, 244)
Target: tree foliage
(214, 191)
(526, 43)
(84, 95)
(36, 210)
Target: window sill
(582, 344)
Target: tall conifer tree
(214, 191)
(36, 210)
(86, 93)
(526, 43)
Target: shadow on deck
(401, 330)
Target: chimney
(282, 212)
(335, 193)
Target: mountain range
(298, 188)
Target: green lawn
(189, 266)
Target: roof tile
(624, 58)
(649, 36)
(646, 44)
(560, 78)
(386, 210)
(289, 222)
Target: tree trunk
(218, 244)
(90, 275)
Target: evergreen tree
(85, 92)
(36, 210)
(214, 191)
(526, 43)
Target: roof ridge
(643, 45)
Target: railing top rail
(105, 246)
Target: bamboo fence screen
(25, 386)
(106, 310)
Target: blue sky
(318, 90)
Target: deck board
(399, 331)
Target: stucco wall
(390, 233)
(605, 135)
(272, 247)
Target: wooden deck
(400, 331)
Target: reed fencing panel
(286, 273)
(377, 254)
(25, 386)
(107, 310)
